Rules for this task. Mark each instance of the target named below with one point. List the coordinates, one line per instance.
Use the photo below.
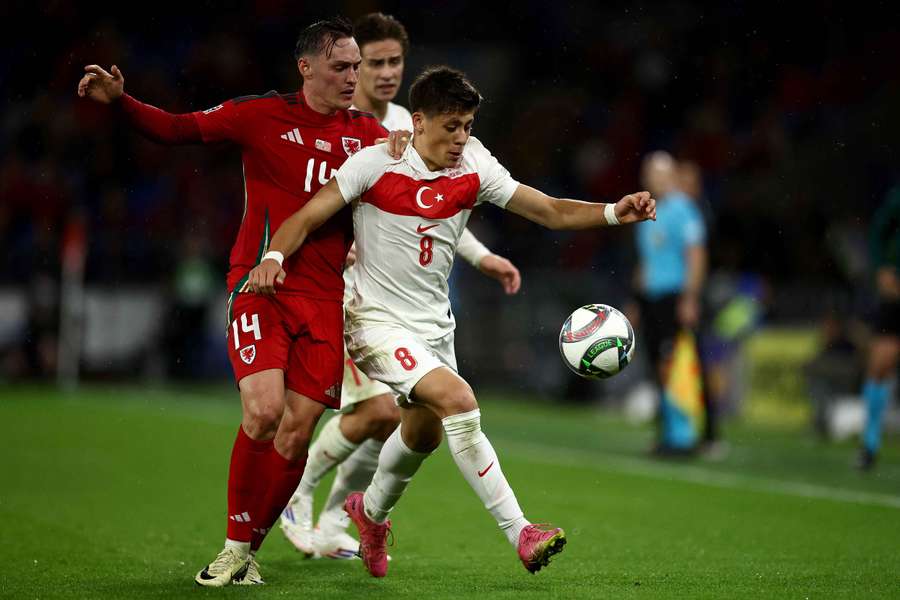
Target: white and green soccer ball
(596, 341)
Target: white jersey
(407, 223)
(397, 118)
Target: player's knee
(261, 420)
(459, 400)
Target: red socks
(260, 484)
(283, 477)
(246, 485)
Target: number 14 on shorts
(250, 325)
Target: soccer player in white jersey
(353, 438)
(408, 215)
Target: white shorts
(396, 357)
(357, 387)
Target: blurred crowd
(792, 130)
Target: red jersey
(289, 151)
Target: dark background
(790, 110)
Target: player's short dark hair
(442, 90)
(376, 27)
(321, 36)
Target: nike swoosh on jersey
(483, 473)
(424, 228)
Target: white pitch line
(698, 475)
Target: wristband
(274, 255)
(609, 213)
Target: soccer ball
(596, 341)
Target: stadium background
(790, 112)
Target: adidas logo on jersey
(244, 517)
(293, 136)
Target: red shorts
(301, 336)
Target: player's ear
(418, 119)
(303, 67)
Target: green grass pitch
(120, 492)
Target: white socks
(353, 475)
(396, 466)
(478, 462)
(243, 548)
(329, 449)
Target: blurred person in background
(690, 182)
(193, 285)
(669, 280)
(286, 352)
(884, 351)
(352, 439)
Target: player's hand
(636, 207)
(397, 142)
(888, 283)
(351, 256)
(264, 276)
(100, 85)
(503, 271)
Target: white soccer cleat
(228, 565)
(297, 523)
(249, 577)
(341, 545)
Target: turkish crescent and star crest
(422, 198)
(351, 145)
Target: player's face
(331, 80)
(443, 137)
(382, 70)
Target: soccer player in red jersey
(286, 350)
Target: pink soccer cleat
(372, 536)
(537, 545)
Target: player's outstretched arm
(291, 235)
(108, 87)
(563, 213)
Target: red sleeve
(378, 131)
(222, 123)
(159, 125)
(218, 124)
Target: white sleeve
(497, 185)
(471, 249)
(361, 171)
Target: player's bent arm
(291, 235)
(471, 249)
(564, 213)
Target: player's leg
(313, 382)
(372, 421)
(451, 399)
(876, 391)
(257, 345)
(262, 399)
(338, 439)
(403, 453)
(288, 457)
